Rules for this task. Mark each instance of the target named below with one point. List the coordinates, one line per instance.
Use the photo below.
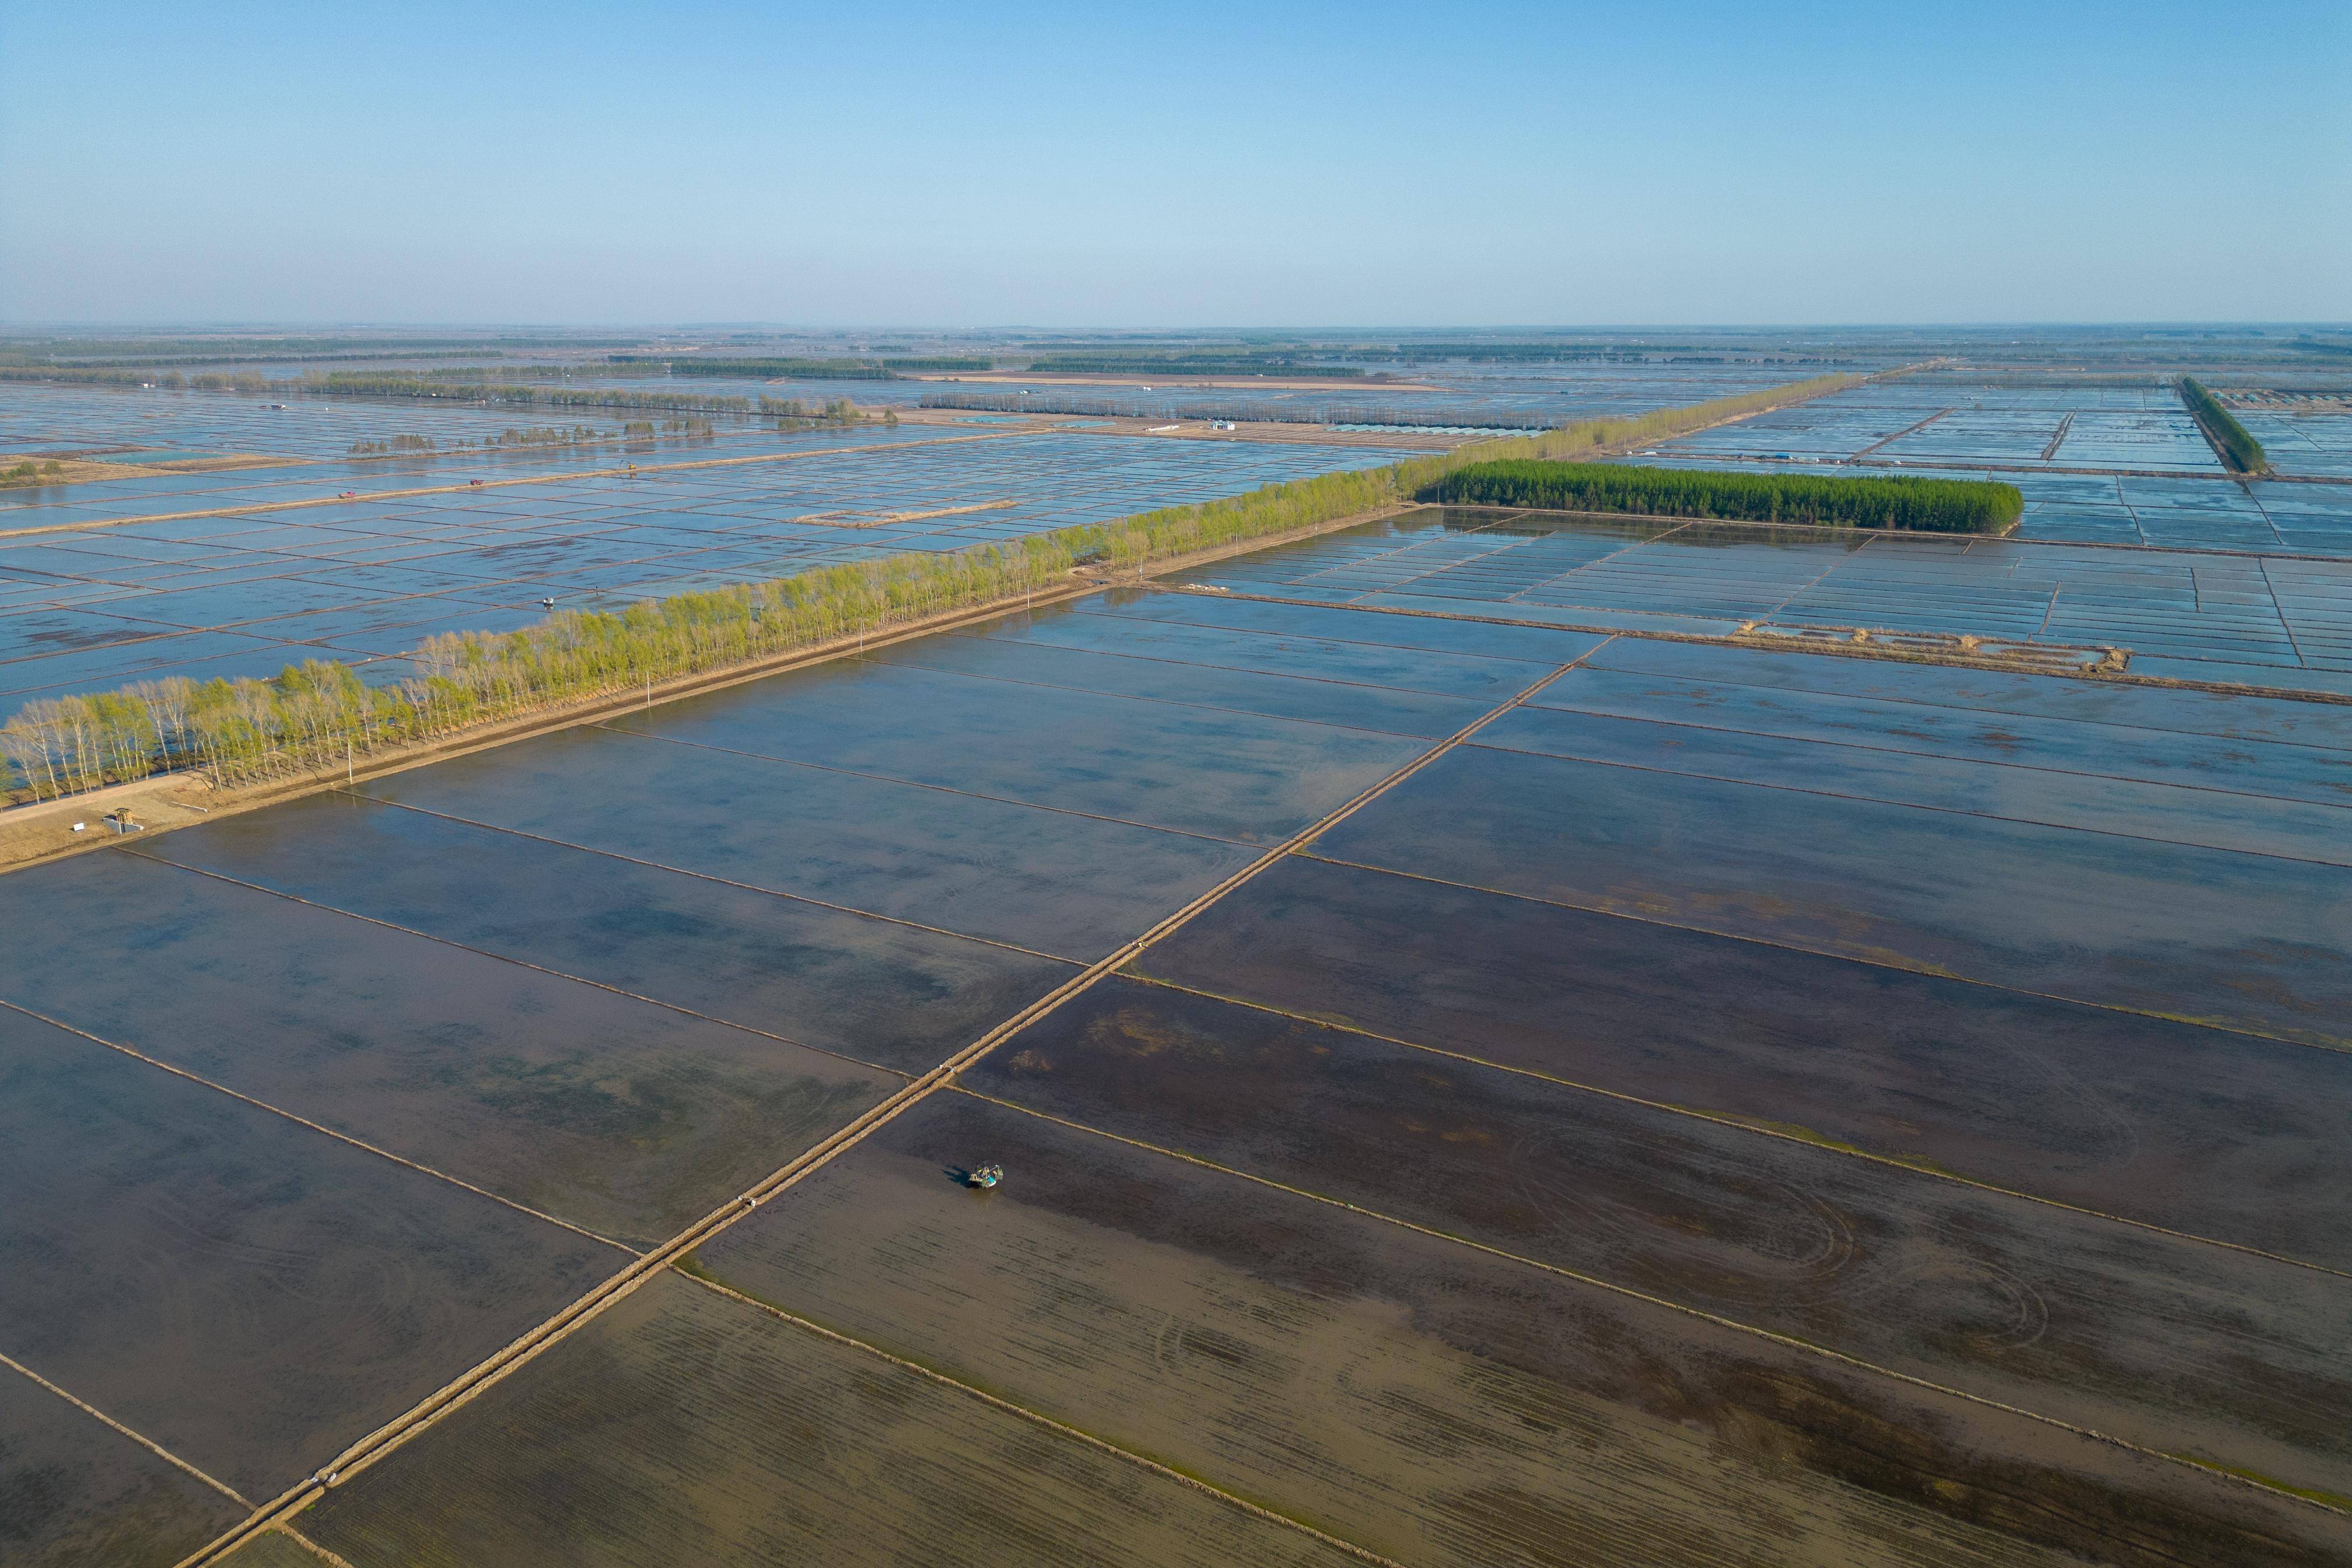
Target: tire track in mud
(1076, 1434)
(650, 1264)
(2027, 1312)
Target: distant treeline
(161, 362)
(1936, 506)
(1502, 352)
(766, 369)
(2237, 445)
(302, 720)
(222, 381)
(1254, 365)
(288, 347)
(359, 383)
(79, 376)
(1287, 412)
(940, 362)
(833, 411)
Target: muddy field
(688, 1427)
(1608, 1100)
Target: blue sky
(1181, 165)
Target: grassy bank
(1940, 506)
(310, 716)
(2236, 444)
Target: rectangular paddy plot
(76, 1493)
(1051, 882)
(2097, 465)
(877, 990)
(1931, 420)
(618, 1115)
(2174, 1344)
(1168, 764)
(2178, 614)
(2254, 942)
(1428, 1401)
(242, 1290)
(2200, 1131)
(686, 1426)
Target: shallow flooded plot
(1534, 644)
(618, 1115)
(2071, 744)
(2069, 1315)
(2218, 1134)
(2229, 715)
(1105, 627)
(75, 1493)
(1428, 1401)
(1351, 706)
(1049, 880)
(873, 989)
(242, 1290)
(1228, 775)
(682, 1427)
(2255, 823)
(2244, 940)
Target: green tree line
(311, 716)
(362, 383)
(779, 369)
(30, 472)
(2236, 444)
(1940, 506)
(1267, 412)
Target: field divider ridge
(1819, 649)
(1924, 805)
(468, 1385)
(547, 969)
(1771, 1336)
(1039, 1418)
(1725, 1119)
(707, 877)
(977, 795)
(1843, 957)
(92, 1411)
(295, 1116)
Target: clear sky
(1176, 164)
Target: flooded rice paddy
(2097, 464)
(246, 592)
(1650, 1100)
(2255, 621)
